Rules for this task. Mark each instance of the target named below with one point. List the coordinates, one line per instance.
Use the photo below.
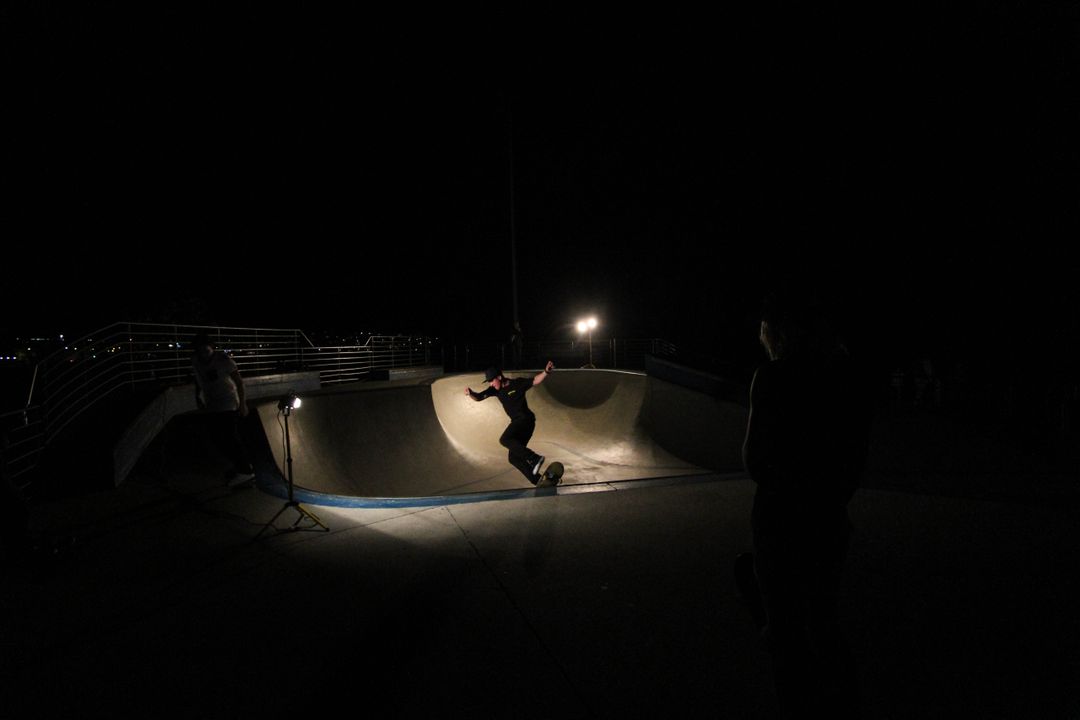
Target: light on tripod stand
(288, 402)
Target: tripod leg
(304, 512)
(270, 524)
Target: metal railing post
(176, 351)
(127, 357)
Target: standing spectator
(219, 390)
(805, 448)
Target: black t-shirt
(512, 397)
(807, 438)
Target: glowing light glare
(289, 402)
(587, 325)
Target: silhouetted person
(805, 448)
(219, 390)
(511, 393)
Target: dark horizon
(920, 169)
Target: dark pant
(515, 438)
(798, 563)
(224, 429)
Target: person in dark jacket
(511, 393)
(805, 448)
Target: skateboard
(551, 476)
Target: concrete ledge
(265, 386)
(180, 399)
(425, 372)
(702, 382)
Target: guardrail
(124, 355)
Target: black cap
(491, 373)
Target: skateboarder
(511, 393)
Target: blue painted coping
(273, 485)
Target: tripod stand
(286, 406)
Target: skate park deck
(431, 440)
(589, 605)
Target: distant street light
(587, 326)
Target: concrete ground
(618, 603)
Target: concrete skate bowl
(431, 441)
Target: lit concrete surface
(430, 439)
(612, 604)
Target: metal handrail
(71, 380)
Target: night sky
(297, 168)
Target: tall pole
(288, 452)
(513, 229)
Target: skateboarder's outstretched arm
(543, 374)
(479, 396)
